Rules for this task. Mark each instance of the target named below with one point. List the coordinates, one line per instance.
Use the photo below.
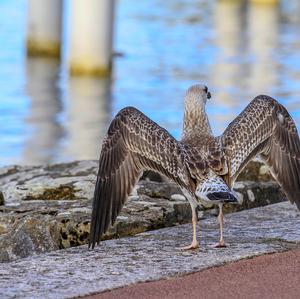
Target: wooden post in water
(91, 37)
(44, 27)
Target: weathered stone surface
(49, 207)
(38, 226)
(158, 189)
(150, 256)
(255, 194)
(60, 181)
(256, 172)
(1, 199)
(152, 176)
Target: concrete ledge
(150, 256)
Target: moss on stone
(63, 192)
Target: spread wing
(266, 128)
(133, 143)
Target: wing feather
(133, 144)
(266, 128)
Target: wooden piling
(91, 37)
(44, 27)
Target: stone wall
(48, 208)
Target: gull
(204, 166)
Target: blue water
(238, 50)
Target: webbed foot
(194, 245)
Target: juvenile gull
(204, 166)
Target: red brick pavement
(269, 276)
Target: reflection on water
(42, 145)
(237, 48)
(87, 114)
(263, 43)
(72, 130)
(228, 68)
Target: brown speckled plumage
(135, 143)
(265, 128)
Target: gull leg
(221, 222)
(194, 243)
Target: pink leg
(221, 243)
(194, 243)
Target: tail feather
(215, 190)
(222, 197)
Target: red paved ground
(268, 276)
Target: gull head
(197, 94)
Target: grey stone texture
(48, 208)
(150, 255)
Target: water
(238, 50)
